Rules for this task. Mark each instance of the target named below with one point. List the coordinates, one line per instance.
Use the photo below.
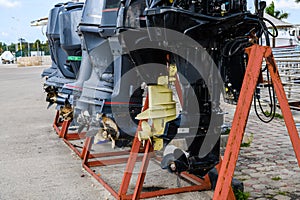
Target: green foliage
(240, 195)
(282, 193)
(16, 48)
(227, 131)
(270, 9)
(276, 178)
(277, 115)
(276, 13)
(248, 143)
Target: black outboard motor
(95, 29)
(100, 84)
(51, 33)
(56, 79)
(104, 97)
(99, 52)
(75, 88)
(66, 47)
(221, 30)
(69, 18)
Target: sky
(16, 15)
(288, 6)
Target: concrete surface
(36, 164)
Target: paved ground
(268, 167)
(36, 164)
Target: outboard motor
(69, 18)
(66, 47)
(104, 98)
(52, 32)
(89, 19)
(75, 88)
(220, 31)
(56, 79)
(95, 29)
(94, 45)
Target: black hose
(271, 90)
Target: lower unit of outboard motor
(53, 86)
(200, 119)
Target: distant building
(37, 53)
(285, 36)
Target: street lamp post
(21, 46)
(28, 49)
(38, 48)
(22, 40)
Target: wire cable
(270, 116)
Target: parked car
(7, 57)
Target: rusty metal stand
(57, 123)
(256, 55)
(61, 128)
(198, 184)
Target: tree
(36, 45)
(276, 13)
(1, 48)
(12, 47)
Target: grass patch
(282, 193)
(226, 132)
(277, 115)
(270, 196)
(276, 178)
(248, 143)
(243, 179)
(240, 195)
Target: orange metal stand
(256, 55)
(198, 184)
(61, 128)
(57, 123)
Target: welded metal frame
(61, 128)
(57, 123)
(198, 184)
(256, 55)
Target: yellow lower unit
(162, 109)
